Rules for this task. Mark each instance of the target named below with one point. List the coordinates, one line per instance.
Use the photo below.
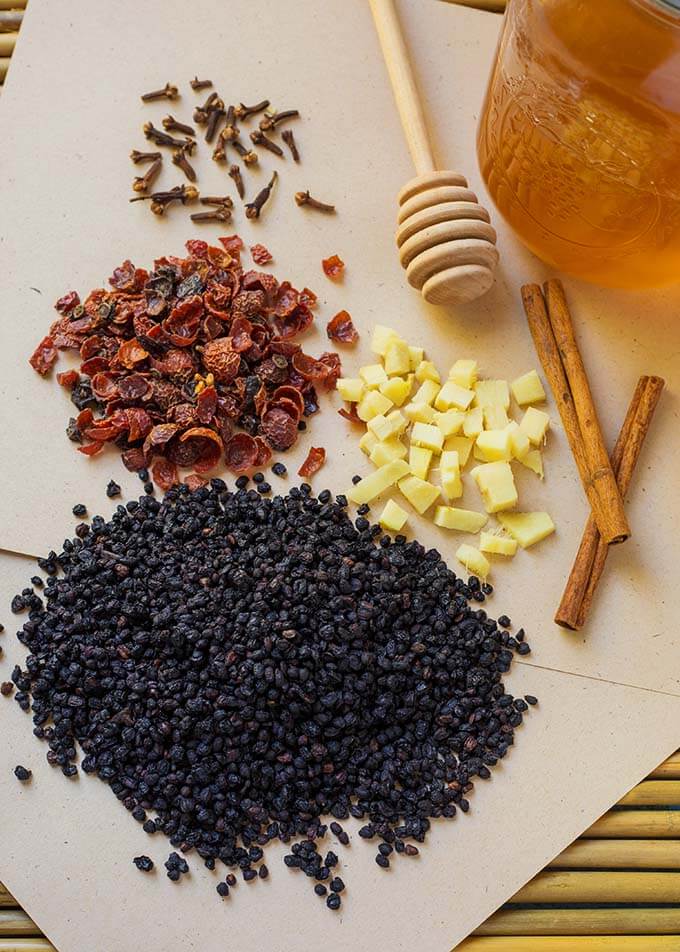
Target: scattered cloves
(170, 124)
(161, 200)
(225, 200)
(289, 139)
(198, 84)
(254, 208)
(222, 214)
(179, 158)
(235, 174)
(162, 138)
(272, 119)
(243, 112)
(201, 113)
(139, 157)
(168, 92)
(248, 156)
(257, 137)
(304, 198)
(215, 116)
(142, 183)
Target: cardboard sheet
(608, 710)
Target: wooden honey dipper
(446, 242)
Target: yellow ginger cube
(377, 482)
(387, 450)
(382, 335)
(464, 373)
(367, 442)
(396, 389)
(497, 544)
(528, 389)
(427, 435)
(533, 461)
(372, 404)
(393, 517)
(493, 445)
(373, 375)
(453, 395)
(426, 370)
(462, 520)
(519, 441)
(397, 357)
(473, 560)
(350, 389)
(527, 528)
(473, 423)
(385, 427)
(416, 354)
(497, 486)
(462, 445)
(426, 392)
(419, 492)
(449, 472)
(419, 412)
(450, 422)
(419, 460)
(489, 392)
(535, 425)
(495, 417)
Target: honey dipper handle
(403, 83)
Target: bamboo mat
(616, 889)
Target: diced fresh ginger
(382, 335)
(464, 373)
(395, 389)
(449, 461)
(419, 412)
(426, 392)
(371, 404)
(473, 560)
(493, 445)
(453, 395)
(419, 492)
(450, 422)
(397, 357)
(528, 389)
(473, 423)
(373, 375)
(488, 392)
(419, 460)
(385, 427)
(377, 482)
(519, 441)
(535, 425)
(427, 435)
(426, 370)
(449, 470)
(393, 517)
(497, 544)
(496, 483)
(350, 389)
(527, 528)
(495, 417)
(463, 520)
(367, 442)
(533, 461)
(416, 354)
(387, 450)
(462, 445)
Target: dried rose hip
(333, 267)
(340, 328)
(315, 460)
(44, 356)
(260, 254)
(241, 453)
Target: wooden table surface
(615, 888)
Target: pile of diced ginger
(422, 441)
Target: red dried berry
(333, 267)
(315, 460)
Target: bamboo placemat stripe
(631, 921)
(633, 824)
(653, 793)
(620, 854)
(26, 945)
(15, 922)
(568, 887)
(6, 898)
(581, 943)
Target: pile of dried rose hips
(174, 360)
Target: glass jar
(579, 138)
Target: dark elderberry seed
(343, 838)
(521, 705)
(143, 863)
(148, 489)
(336, 829)
(37, 581)
(2, 628)
(302, 426)
(264, 488)
(22, 773)
(411, 850)
(69, 770)
(385, 849)
(337, 885)
(113, 489)
(258, 477)
(364, 509)
(330, 859)
(18, 604)
(231, 879)
(504, 621)
(222, 889)
(242, 482)
(382, 861)
(523, 648)
(333, 901)
(249, 874)
(263, 871)
(399, 846)
(487, 588)
(320, 889)
(520, 635)
(173, 875)
(530, 699)
(149, 826)
(209, 863)
(341, 500)
(305, 489)
(325, 496)
(356, 479)
(367, 832)
(79, 510)
(278, 469)
(292, 862)
(143, 474)
(255, 853)
(139, 814)
(6, 688)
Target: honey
(579, 139)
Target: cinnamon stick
(592, 553)
(616, 528)
(546, 347)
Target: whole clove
(167, 92)
(289, 139)
(304, 198)
(222, 214)
(248, 155)
(258, 137)
(143, 183)
(139, 157)
(254, 208)
(226, 200)
(162, 138)
(235, 174)
(179, 158)
(272, 119)
(160, 201)
(201, 113)
(215, 116)
(198, 84)
(244, 112)
(170, 124)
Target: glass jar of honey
(579, 139)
